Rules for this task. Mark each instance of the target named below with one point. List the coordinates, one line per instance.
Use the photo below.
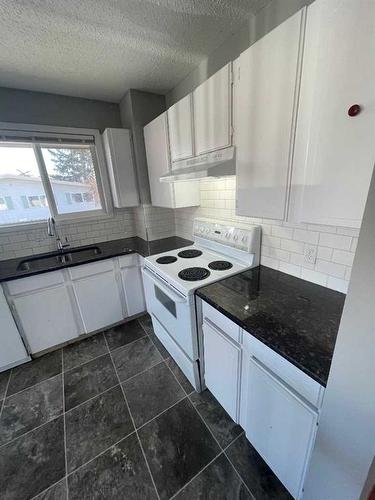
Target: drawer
(91, 269)
(299, 381)
(38, 282)
(130, 260)
(221, 322)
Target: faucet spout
(52, 231)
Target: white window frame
(20, 130)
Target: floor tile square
(35, 371)
(219, 481)
(146, 323)
(136, 357)
(163, 351)
(4, 377)
(177, 445)
(119, 473)
(151, 392)
(95, 425)
(124, 334)
(31, 408)
(88, 380)
(220, 423)
(33, 462)
(83, 351)
(186, 385)
(258, 477)
(56, 492)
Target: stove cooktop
(176, 269)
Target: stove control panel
(233, 236)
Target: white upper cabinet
(334, 152)
(163, 194)
(181, 129)
(265, 83)
(212, 112)
(121, 169)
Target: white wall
(345, 444)
(283, 244)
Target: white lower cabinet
(56, 307)
(133, 287)
(222, 368)
(278, 422)
(98, 300)
(47, 317)
(276, 403)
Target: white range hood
(216, 164)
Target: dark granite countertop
(296, 318)
(9, 268)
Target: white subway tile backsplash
(283, 243)
(343, 257)
(314, 277)
(293, 246)
(335, 241)
(330, 268)
(311, 237)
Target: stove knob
(227, 235)
(235, 237)
(244, 239)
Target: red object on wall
(354, 110)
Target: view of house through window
(70, 183)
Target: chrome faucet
(52, 231)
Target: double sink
(53, 259)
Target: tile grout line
(5, 393)
(223, 449)
(196, 475)
(132, 419)
(76, 366)
(64, 417)
(47, 489)
(161, 413)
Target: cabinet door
(157, 153)
(119, 155)
(334, 153)
(278, 423)
(47, 317)
(222, 369)
(180, 129)
(98, 300)
(12, 350)
(133, 287)
(265, 78)
(212, 112)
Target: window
(45, 176)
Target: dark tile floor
(113, 417)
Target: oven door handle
(164, 287)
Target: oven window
(165, 300)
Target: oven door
(175, 312)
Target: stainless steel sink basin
(54, 259)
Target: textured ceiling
(101, 48)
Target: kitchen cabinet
(334, 153)
(180, 120)
(98, 295)
(56, 307)
(278, 422)
(131, 278)
(12, 350)
(266, 78)
(212, 102)
(222, 368)
(44, 310)
(165, 194)
(121, 169)
(276, 403)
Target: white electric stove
(170, 279)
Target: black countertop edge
(297, 319)
(114, 248)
